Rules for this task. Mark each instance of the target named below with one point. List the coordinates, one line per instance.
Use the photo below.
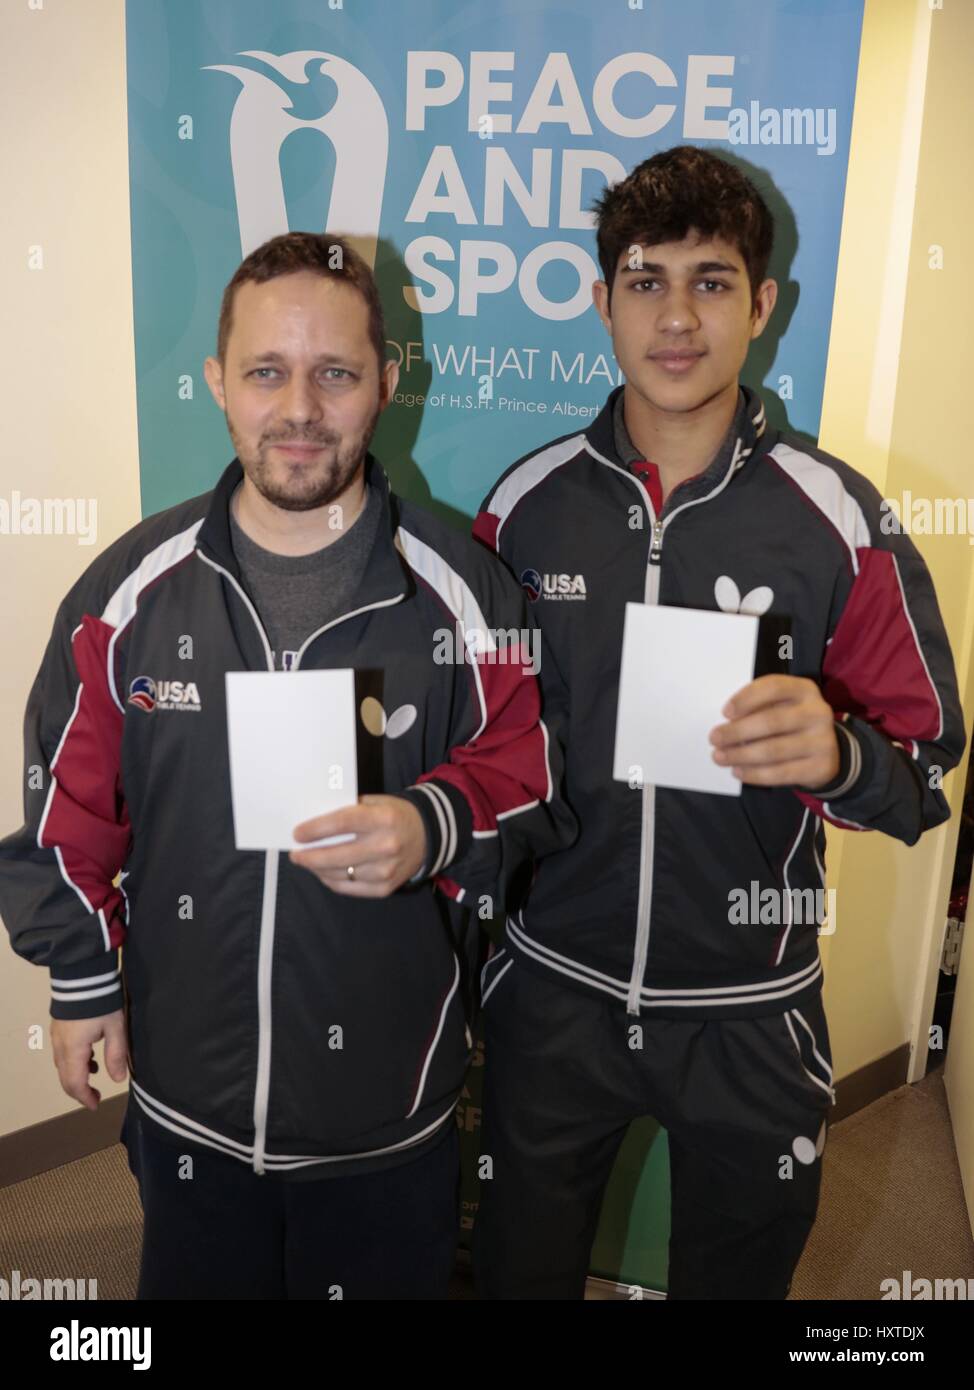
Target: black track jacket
(640, 909)
(275, 1021)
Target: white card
(680, 666)
(292, 753)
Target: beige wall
(899, 348)
(932, 449)
(891, 408)
(69, 382)
(883, 962)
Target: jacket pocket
(809, 1038)
(447, 1026)
(494, 970)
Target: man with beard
(296, 1024)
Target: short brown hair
(681, 190)
(319, 252)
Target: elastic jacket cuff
(448, 821)
(88, 989)
(850, 767)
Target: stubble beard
(327, 478)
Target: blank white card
(680, 666)
(292, 753)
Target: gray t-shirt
(296, 594)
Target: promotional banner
(461, 147)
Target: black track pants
(745, 1103)
(227, 1233)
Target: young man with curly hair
(625, 986)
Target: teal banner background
(461, 146)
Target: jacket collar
(386, 575)
(747, 437)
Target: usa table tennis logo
(552, 586)
(142, 693)
(531, 583)
(147, 694)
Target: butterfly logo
(378, 723)
(729, 600)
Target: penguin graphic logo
(262, 119)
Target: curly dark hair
(319, 252)
(681, 190)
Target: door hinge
(953, 938)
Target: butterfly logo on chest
(728, 595)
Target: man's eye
(717, 284)
(638, 284)
(342, 372)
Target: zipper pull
(657, 543)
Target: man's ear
(600, 298)
(764, 302)
(213, 373)
(388, 381)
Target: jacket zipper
(647, 843)
(265, 951)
